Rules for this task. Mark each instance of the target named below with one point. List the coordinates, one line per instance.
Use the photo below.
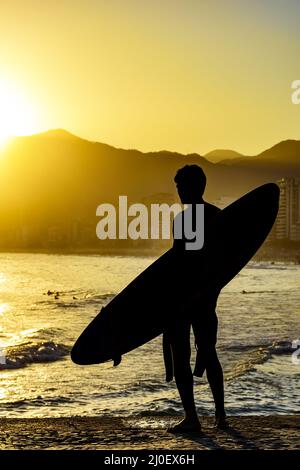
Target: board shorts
(205, 333)
(204, 322)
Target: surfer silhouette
(198, 314)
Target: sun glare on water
(17, 116)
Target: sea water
(47, 300)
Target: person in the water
(201, 316)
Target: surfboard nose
(81, 352)
(77, 355)
(94, 345)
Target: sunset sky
(181, 75)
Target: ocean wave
(276, 347)
(42, 334)
(258, 291)
(37, 402)
(160, 412)
(256, 354)
(24, 354)
(267, 265)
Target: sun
(17, 115)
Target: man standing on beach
(200, 314)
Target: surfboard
(142, 310)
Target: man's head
(190, 181)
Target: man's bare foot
(221, 422)
(186, 425)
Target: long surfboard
(142, 310)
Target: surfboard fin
(117, 360)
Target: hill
(285, 154)
(51, 183)
(218, 155)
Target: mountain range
(216, 156)
(56, 178)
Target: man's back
(210, 211)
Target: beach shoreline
(263, 255)
(148, 433)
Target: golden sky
(181, 75)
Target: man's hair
(191, 175)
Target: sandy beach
(148, 433)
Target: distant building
(287, 226)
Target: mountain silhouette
(219, 155)
(285, 153)
(56, 179)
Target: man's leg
(215, 379)
(205, 329)
(181, 351)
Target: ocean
(47, 300)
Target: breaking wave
(24, 354)
(256, 354)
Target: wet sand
(148, 433)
